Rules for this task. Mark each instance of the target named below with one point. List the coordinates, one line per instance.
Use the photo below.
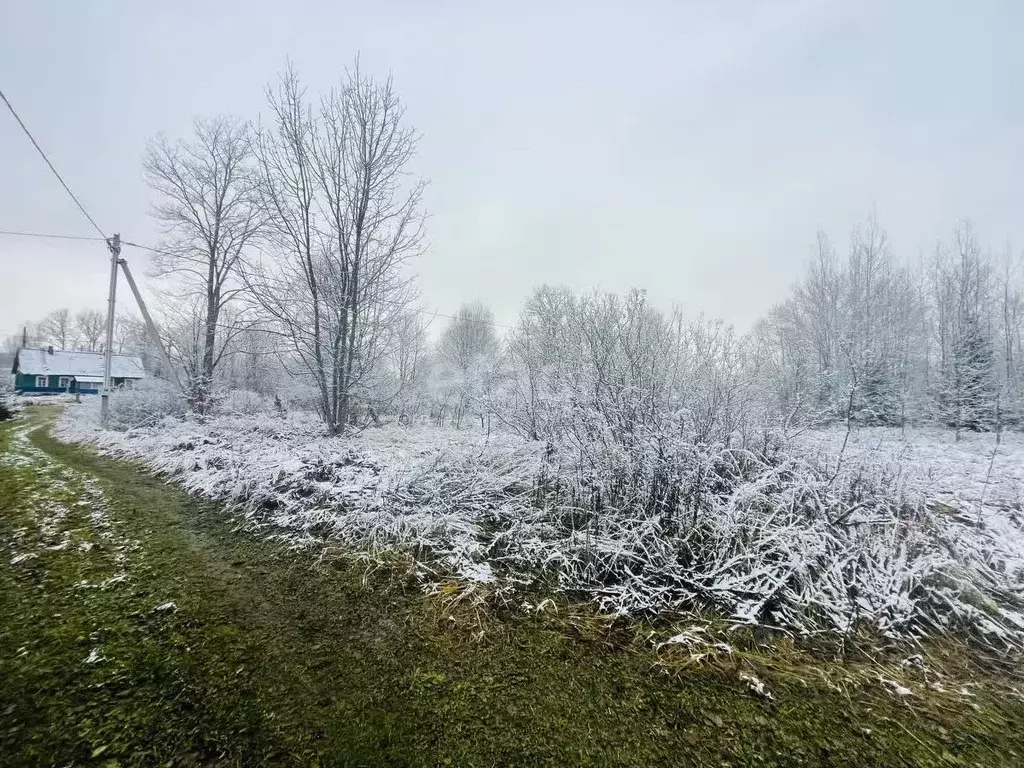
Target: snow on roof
(39, 362)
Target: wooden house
(49, 371)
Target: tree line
(285, 266)
(82, 331)
(935, 339)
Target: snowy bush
(642, 464)
(144, 404)
(796, 540)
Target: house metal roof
(40, 362)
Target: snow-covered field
(974, 480)
(911, 536)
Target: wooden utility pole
(114, 244)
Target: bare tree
(184, 336)
(409, 363)
(208, 209)
(410, 346)
(537, 358)
(467, 351)
(253, 364)
(57, 327)
(91, 325)
(862, 319)
(341, 223)
(1011, 301)
(885, 342)
(469, 336)
(129, 334)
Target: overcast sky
(692, 149)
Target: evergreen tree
(969, 393)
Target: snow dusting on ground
(973, 480)
(57, 500)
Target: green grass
(275, 658)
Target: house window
(42, 381)
(64, 382)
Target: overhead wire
(54, 237)
(42, 154)
(132, 244)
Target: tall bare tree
(57, 327)
(342, 220)
(91, 325)
(207, 205)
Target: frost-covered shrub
(144, 404)
(791, 538)
(243, 402)
(7, 410)
(604, 369)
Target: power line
(147, 248)
(53, 237)
(424, 311)
(59, 177)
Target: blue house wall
(26, 382)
